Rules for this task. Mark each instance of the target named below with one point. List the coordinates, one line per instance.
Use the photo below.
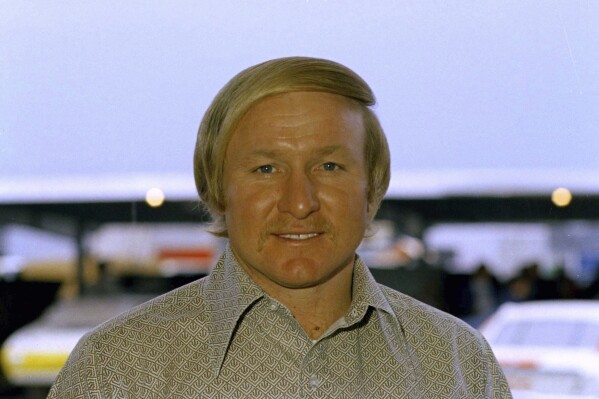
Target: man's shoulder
(442, 344)
(415, 315)
(402, 303)
(171, 311)
(139, 342)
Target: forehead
(300, 114)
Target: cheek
(248, 206)
(348, 204)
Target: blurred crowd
(484, 292)
(474, 297)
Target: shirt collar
(230, 292)
(366, 293)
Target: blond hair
(277, 76)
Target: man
(292, 165)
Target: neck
(317, 308)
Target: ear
(371, 230)
(371, 208)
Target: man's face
(296, 188)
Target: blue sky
(112, 87)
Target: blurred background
(491, 111)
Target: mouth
(298, 237)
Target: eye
(265, 169)
(330, 166)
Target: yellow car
(33, 355)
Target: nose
(299, 196)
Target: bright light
(155, 197)
(561, 197)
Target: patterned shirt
(223, 337)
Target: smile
(298, 237)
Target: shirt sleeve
(497, 386)
(80, 378)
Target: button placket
(313, 382)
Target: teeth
(299, 236)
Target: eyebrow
(330, 149)
(263, 153)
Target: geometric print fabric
(222, 337)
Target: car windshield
(549, 333)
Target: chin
(304, 273)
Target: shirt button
(273, 306)
(314, 381)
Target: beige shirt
(222, 337)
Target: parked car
(33, 355)
(548, 349)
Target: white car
(548, 349)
